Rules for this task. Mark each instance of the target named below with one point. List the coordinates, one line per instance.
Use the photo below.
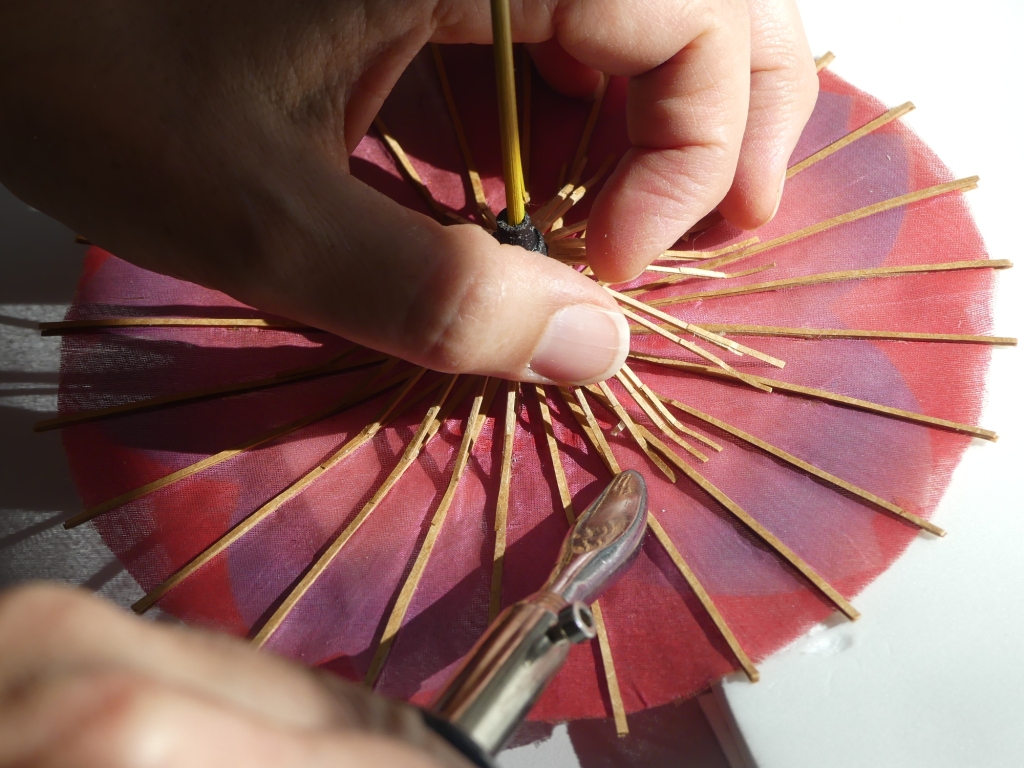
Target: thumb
(338, 255)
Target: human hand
(83, 684)
(211, 142)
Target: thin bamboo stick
(849, 333)
(574, 197)
(332, 367)
(653, 414)
(821, 394)
(365, 391)
(823, 61)
(474, 423)
(893, 114)
(699, 351)
(73, 326)
(442, 406)
(472, 173)
(564, 497)
(618, 708)
(831, 277)
(811, 469)
(701, 255)
(665, 412)
(501, 509)
(580, 409)
(255, 518)
(579, 161)
(961, 185)
(613, 404)
(412, 175)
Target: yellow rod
(508, 118)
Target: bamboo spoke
(365, 391)
(832, 277)
(411, 174)
(610, 676)
(697, 330)
(564, 232)
(808, 467)
(332, 367)
(444, 403)
(665, 412)
(848, 333)
(823, 61)
(766, 536)
(579, 162)
(576, 195)
(580, 409)
(702, 255)
(252, 520)
(615, 406)
(961, 185)
(565, 498)
(472, 173)
(72, 326)
(504, 487)
(893, 114)
(655, 416)
(704, 597)
(700, 352)
(821, 394)
(474, 423)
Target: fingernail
(778, 201)
(581, 345)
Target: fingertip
(582, 344)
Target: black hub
(523, 234)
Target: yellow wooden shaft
(515, 191)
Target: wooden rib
(460, 134)
(330, 368)
(361, 394)
(412, 175)
(960, 185)
(577, 194)
(474, 423)
(82, 240)
(652, 413)
(665, 412)
(565, 498)
(821, 394)
(831, 277)
(501, 509)
(696, 330)
(297, 487)
(702, 255)
(560, 196)
(766, 536)
(691, 271)
(579, 162)
(581, 411)
(564, 232)
(612, 402)
(823, 61)
(704, 597)
(442, 406)
(699, 351)
(524, 135)
(893, 114)
(618, 708)
(808, 467)
(70, 326)
(847, 333)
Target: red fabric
(664, 645)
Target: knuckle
(454, 306)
